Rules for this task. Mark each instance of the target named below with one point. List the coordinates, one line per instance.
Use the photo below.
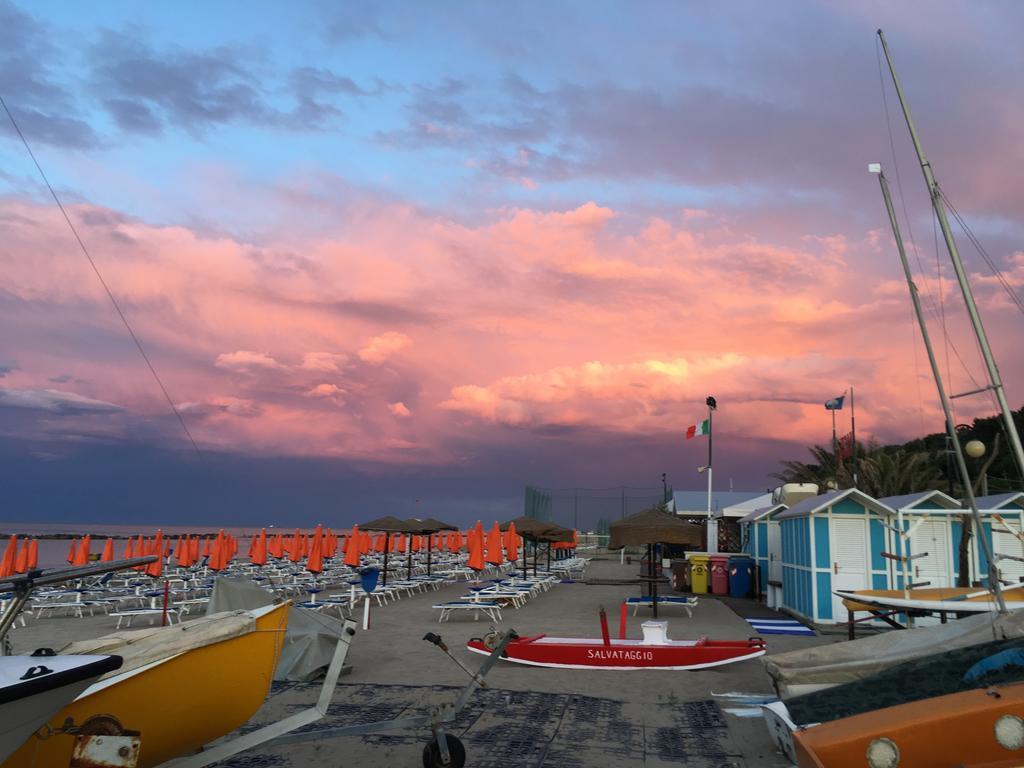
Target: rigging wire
(99, 276)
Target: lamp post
(976, 449)
(712, 525)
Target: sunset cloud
(246, 361)
(399, 409)
(380, 348)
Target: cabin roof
(1000, 500)
(817, 503)
(913, 500)
(761, 512)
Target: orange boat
(980, 728)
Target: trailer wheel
(432, 753)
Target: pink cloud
(380, 348)
(587, 317)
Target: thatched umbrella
(535, 530)
(428, 526)
(388, 525)
(652, 526)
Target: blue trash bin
(741, 576)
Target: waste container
(719, 574)
(741, 576)
(681, 575)
(699, 573)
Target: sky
(408, 258)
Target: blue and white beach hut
(933, 520)
(1004, 523)
(762, 541)
(833, 541)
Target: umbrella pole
(408, 563)
(525, 574)
(654, 582)
(535, 557)
(549, 556)
(387, 546)
(430, 538)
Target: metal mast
(996, 383)
(993, 571)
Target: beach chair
(488, 607)
(686, 603)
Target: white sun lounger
(127, 616)
(686, 603)
(490, 608)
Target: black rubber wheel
(432, 753)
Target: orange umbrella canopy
(73, 550)
(475, 542)
(511, 543)
(21, 560)
(315, 561)
(33, 553)
(258, 548)
(494, 554)
(10, 557)
(108, 551)
(82, 555)
(352, 548)
(155, 568)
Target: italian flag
(700, 428)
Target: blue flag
(835, 404)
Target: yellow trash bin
(699, 573)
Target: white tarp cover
(138, 647)
(311, 638)
(828, 665)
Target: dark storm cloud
(54, 401)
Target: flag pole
(835, 445)
(712, 529)
(853, 435)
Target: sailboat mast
(993, 571)
(996, 383)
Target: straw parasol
(649, 527)
(388, 525)
(427, 526)
(532, 529)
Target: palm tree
(896, 472)
(822, 471)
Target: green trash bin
(699, 573)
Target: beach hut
(932, 519)
(832, 541)
(1004, 523)
(762, 541)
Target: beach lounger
(488, 607)
(126, 617)
(686, 603)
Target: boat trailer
(442, 751)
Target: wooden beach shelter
(537, 531)
(647, 528)
(428, 526)
(386, 526)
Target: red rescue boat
(655, 651)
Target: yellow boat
(180, 688)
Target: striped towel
(779, 627)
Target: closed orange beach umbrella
(476, 551)
(73, 550)
(33, 554)
(352, 548)
(108, 551)
(295, 550)
(82, 555)
(140, 550)
(258, 548)
(315, 561)
(511, 543)
(129, 549)
(21, 559)
(155, 568)
(494, 553)
(7, 563)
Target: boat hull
(624, 655)
(28, 700)
(936, 600)
(959, 729)
(177, 704)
